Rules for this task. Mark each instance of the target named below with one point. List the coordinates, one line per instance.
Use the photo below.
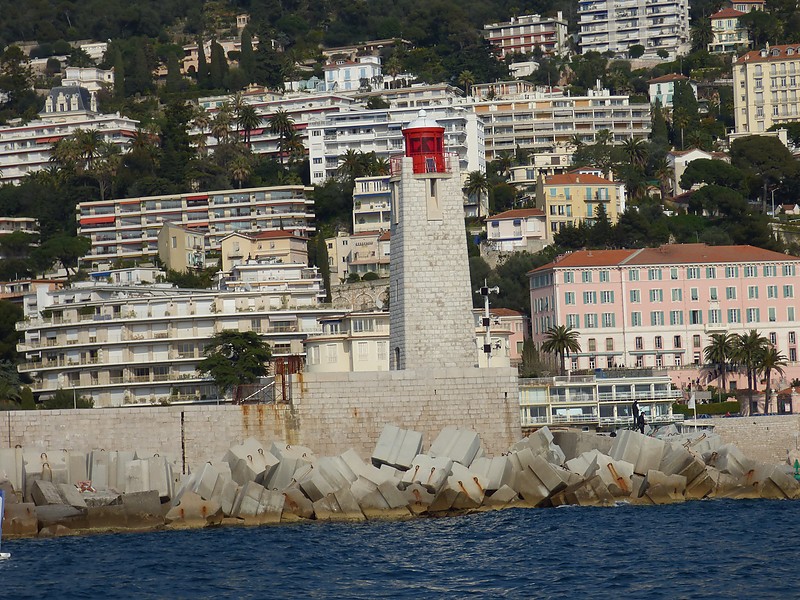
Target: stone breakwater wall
(329, 412)
(770, 439)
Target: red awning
(49, 140)
(200, 197)
(96, 220)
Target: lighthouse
(431, 322)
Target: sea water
(709, 549)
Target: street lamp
(487, 340)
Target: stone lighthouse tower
(430, 297)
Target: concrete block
(397, 447)
(640, 450)
(496, 472)
(729, 459)
(361, 469)
(20, 519)
(501, 498)
(615, 474)
(193, 511)
(338, 506)
(44, 493)
(98, 469)
(444, 500)
(101, 498)
(459, 445)
(70, 495)
(529, 487)
(282, 476)
(118, 468)
(283, 451)
(547, 474)
(296, 505)
(584, 465)
(142, 503)
(77, 467)
(700, 487)
(430, 472)
(11, 467)
(107, 517)
(226, 494)
(471, 487)
(249, 460)
(8, 491)
(419, 498)
(665, 489)
(52, 531)
(206, 481)
(248, 501)
(55, 514)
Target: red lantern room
(424, 139)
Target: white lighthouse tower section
(430, 295)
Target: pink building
(658, 307)
(519, 327)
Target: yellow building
(181, 248)
(284, 246)
(575, 197)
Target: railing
(620, 421)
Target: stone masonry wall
(767, 439)
(330, 413)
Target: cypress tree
(322, 263)
(174, 77)
(247, 60)
(202, 65)
(119, 74)
(219, 66)
(658, 132)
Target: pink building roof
(727, 13)
(773, 53)
(669, 77)
(519, 213)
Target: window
(636, 319)
(773, 338)
(715, 316)
(639, 362)
(586, 276)
(633, 275)
(770, 271)
(793, 354)
(330, 353)
(752, 292)
(574, 362)
(772, 314)
(750, 271)
(693, 273)
(753, 315)
(676, 317)
(695, 317)
(607, 297)
(657, 318)
(731, 272)
(696, 358)
(659, 344)
(673, 274)
(636, 296)
(676, 342)
(659, 361)
(772, 291)
(573, 321)
(790, 313)
(788, 270)
(711, 272)
(677, 360)
(608, 320)
(592, 362)
(592, 344)
(569, 297)
(604, 276)
(695, 341)
(730, 293)
(734, 315)
(639, 343)
(791, 337)
(569, 277)
(712, 294)
(656, 295)
(788, 291)
(590, 321)
(694, 294)
(363, 351)
(609, 344)
(654, 274)
(677, 294)
(590, 297)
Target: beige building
(181, 248)
(282, 246)
(524, 34)
(360, 253)
(765, 87)
(575, 197)
(729, 35)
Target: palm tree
(720, 353)
(504, 162)
(636, 151)
(771, 359)
(476, 186)
(749, 348)
(248, 120)
(663, 173)
(281, 124)
(603, 137)
(381, 166)
(221, 124)
(291, 145)
(561, 340)
(351, 165)
(701, 34)
(466, 79)
(240, 169)
(109, 159)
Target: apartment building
(548, 122)
(380, 131)
(91, 78)
(616, 25)
(765, 86)
(658, 307)
(181, 248)
(128, 228)
(24, 224)
(729, 34)
(359, 253)
(417, 95)
(27, 148)
(125, 345)
(517, 230)
(372, 202)
(524, 34)
(343, 75)
(359, 341)
(575, 197)
(280, 245)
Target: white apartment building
(418, 95)
(616, 25)
(548, 122)
(128, 228)
(91, 78)
(765, 87)
(359, 341)
(517, 230)
(380, 131)
(24, 224)
(132, 345)
(342, 75)
(525, 33)
(95, 50)
(26, 148)
(372, 203)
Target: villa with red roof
(519, 229)
(729, 34)
(574, 197)
(659, 307)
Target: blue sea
(710, 549)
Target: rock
(44, 493)
(432, 473)
(193, 511)
(397, 447)
(459, 445)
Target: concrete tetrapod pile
(257, 483)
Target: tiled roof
(505, 312)
(727, 13)
(519, 213)
(589, 258)
(384, 236)
(573, 178)
(790, 51)
(669, 77)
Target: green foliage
(65, 399)
(194, 280)
(10, 314)
(235, 357)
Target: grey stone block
(44, 493)
(643, 452)
(70, 495)
(142, 503)
(397, 447)
(459, 445)
(432, 473)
